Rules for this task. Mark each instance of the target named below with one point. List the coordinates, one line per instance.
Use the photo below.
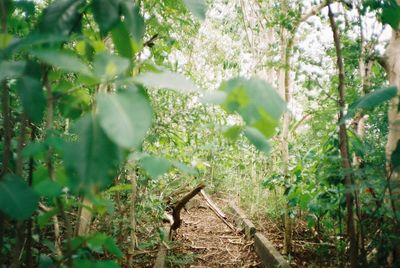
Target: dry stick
(216, 210)
(344, 145)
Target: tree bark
(343, 147)
(392, 65)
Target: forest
(135, 133)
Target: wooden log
(242, 221)
(216, 210)
(213, 205)
(268, 254)
(270, 257)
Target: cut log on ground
(216, 210)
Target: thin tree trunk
(7, 126)
(50, 171)
(29, 257)
(19, 225)
(133, 244)
(392, 65)
(344, 153)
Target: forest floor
(204, 240)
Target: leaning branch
(176, 211)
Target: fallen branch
(176, 211)
(216, 210)
(172, 223)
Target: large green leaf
(61, 17)
(11, 69)
(48, 188)
(99, 241)
(33, 100)
(168, 80)
(155, 166)
(122, 41)
(372, 100)
(106, 14)
(92, 161)
(125, 116)
(197, 7)
(391, 14)
(134, 21)
(257, 139)
(63, 59)
(17, 199)
(256, 101)
(107, 66)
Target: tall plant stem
(343, 147)
(7, 127)
(19, 225)
(29, 259)
(50, 170)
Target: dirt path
(210, 243)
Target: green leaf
(106, 14)
(5, 40)
(233, 132)
(134, 21)
(122, 41)
(11, 69)
(111, 247)
(64, 59)
(73, 105)
(256, 101)
(125, 116)
(34, 149)
(108, 66)
(215, 97)
(391, 15)
(395, 157)
(257, 139)
(45, 217)
(95, 264)
(168, 80)
(48, 188)
(197, 7)
(100, 240)
(120, 188)
(33, 100)
(184, 168)
(93, 160)
(371, 100)
(61, 17)
(155, 166)
(17, 199)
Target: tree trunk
(393, 70)
(343, 147)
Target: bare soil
(204, 240)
